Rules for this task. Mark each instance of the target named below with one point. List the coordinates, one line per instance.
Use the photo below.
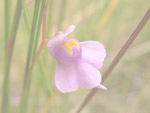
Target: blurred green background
(108, 21)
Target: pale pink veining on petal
(78, 62)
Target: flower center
(68, 46)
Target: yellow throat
(68, 46)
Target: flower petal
(93, 52)
(101, 87)
(88, 76)
(69, 29)
(59, 39)
(65, 78)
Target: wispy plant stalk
(9, 52)
(49, 18)
(7, 15)
(35, 31)
(45, 75)
(44, 41)
(117, 58)
(26, 14)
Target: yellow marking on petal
(73, 43)
(68, 45)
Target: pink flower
(78, 62)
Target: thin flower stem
(44, 41)
(117, 58)
(45, 76)
(36, 25)
(44, 21)
(34, 61)
(26, 14)
(35, 30)
(49, 18)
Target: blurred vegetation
(107, 21)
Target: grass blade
(40, 61)
(35, 30)
(7, 14)
(36, 25)
(50, 89)
(6, 84)
(26, 14)
(49, 18)
(118, 57)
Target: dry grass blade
(118, 57)
(110, 9)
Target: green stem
(6, 83)
(35, 30)
(45, 75)
(26, 14)
(7, 12)
(49, 18)
(117, 58)
(36, 25)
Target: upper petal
(59, 40)
(65, 33)
(88, 76)
(69, 29)
(93, 52)
(65, 78)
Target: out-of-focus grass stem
(9, 53)
(35, 30)
(49, 18)
(44, 41)
(36, 24)
(40, 61)
(111, 7)
(7, 15)
(117, 58)
(45, 75)
(26, 14)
